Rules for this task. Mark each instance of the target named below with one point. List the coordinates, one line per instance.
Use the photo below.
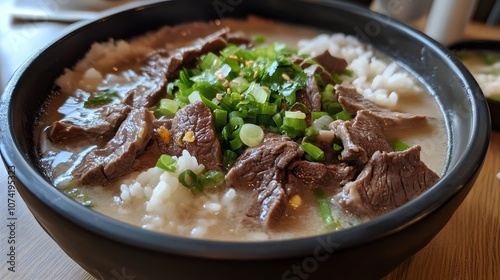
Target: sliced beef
(269, 202)
(98, 122)
(352, 101)
(311, 175)
(331, 63)
(152, 152)
(262, 169)
(162, 68)
(326, 78)
(309, 95)
(361, 138)
(117, 157)
(187, 56)
(388, 181)
(152, 89)
(196, 120)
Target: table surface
(468, 247)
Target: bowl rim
(387, 224)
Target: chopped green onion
(255, 90)
(337, 145)
(343, 115)
(295, 123)
(80, 197)
(399, 146)
(228, 159)
(239, 84)
(236, 143)
(194, 96)
(348, 72)
(268, 108)
(220, 118)
(168, 107)
(101, 98)
(295, 115)
(313, 151)
(210, 61)
(278, 119)
(337, 78)
(311, 133)
(317, 115)
(324, 208)
(211, 178)
(189, 179)
(259, 38)
(251, 134)
(167, 163)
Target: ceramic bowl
(106, 247)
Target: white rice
(380, 81)
(166, 201)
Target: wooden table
(467, 248)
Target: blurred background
(26, 25)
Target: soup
(241, 130)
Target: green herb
(101, 98)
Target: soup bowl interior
(102, 245)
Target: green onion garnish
(101, 98)
(167, 163)
(210, 178)
(313, 151)
(343, 115)
(189, 179)
(168, 107)
(80, 197)
(399, 146)
(324, 208)
(251, 134)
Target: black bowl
(105, 247)
(483, 45)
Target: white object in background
(407, 11)
(448, 19)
